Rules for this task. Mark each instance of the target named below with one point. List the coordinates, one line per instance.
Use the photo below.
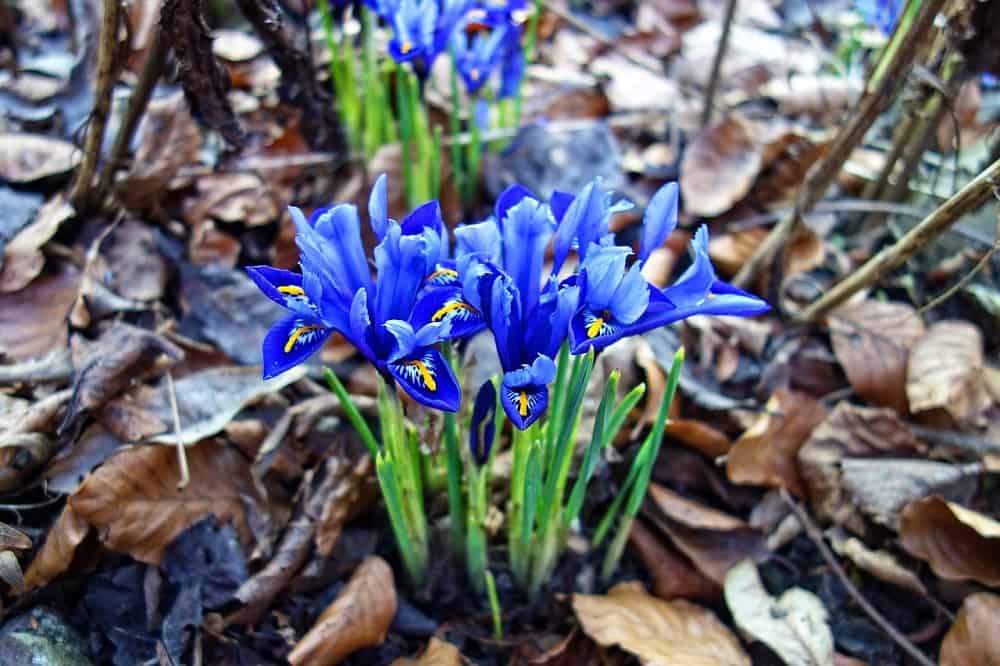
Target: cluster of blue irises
(483, 36)
(497, 279)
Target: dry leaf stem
(82, 193)
(720, 53)
(968, 198)
(823, 173)
(817, 538)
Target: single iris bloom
(478, 54)
(336, 292)
(881, 14)
(421, 29)
(492, 13)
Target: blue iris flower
(336, 292)
(491, 13)
(617, 302)
(421, 29)
(501, 264)
(478, 54)
(881, 14)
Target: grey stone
(41, 637)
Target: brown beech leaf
(33, 320)
(438, 653)
(233, 198)
(872, 341)
(945, 372)
(849, 432)
(658, 632)
(714, 541)
(56, 553)
(699, 436)
(672, 574)
(22, 256)
(794, 625)
(879, 563)
(357, 618)
(974, 639)
(720, 165)
(958, 543)
(13, 539)
(767, 453)
(10, 571)
(134, 503)
(25, 158)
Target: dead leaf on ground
(10, 571)
(849, 431)
(70, 467)
(13, 539)
(973, 639)
(634, 88)
(712, 540)
(57, 552)
(720, 165)
(22, 256)
(767, 453)
(673, 576)
(879, 563)
(26, 158)
(958, 543)
(137, 269)
(33, 320)
(699, 436)
(358, 617)
(437, 653)
(234, 198)
(795, 625)
(658, 632)
(134, 503)
(872, 341)
(945, 372)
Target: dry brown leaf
(958, 543)
(945, 372)
(767, 453)
(672, 574)
(358, 617)
(438, 653)
(138, 271)
(712, 540)
(233, 198)
(56, 553)
(794, 625)
(658, 632)
(720, 165)
(33, 320)
(879, 563)
(25, 158)
(699, 436)
(134, 503)
(872, 341)
(22, 256)
(855, 432)
(11, 538)
(974, 639)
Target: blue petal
(291, 341)
(424, 216)
(330, 247)
(548, 325)
(427, 378)
(560, 202)
(509, 198)
(402, 261)
(526, 232)
(378, 207)
(482, 427)
(602, 271)
(524, 393)
(481, 240)
(282, 287)
(659, 220)
(631, 298)
(447, 304)
(581, 223)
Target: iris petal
(447, 304)
(283, 287)
(378, 207)
(524, 393)
(482, 427)
(426, 376)
(291, 341)
(659, 220)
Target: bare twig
(82, 194)
(968, 198)
(720, 53)
(817, 538)
(966, 279)
(823, 173)
(182, 462)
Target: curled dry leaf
(134, 503)
(33, 320)
(849, 432)
(973, 639)
(56, 553)
(358, 617)
(872, 341)
(22, 257)
(25, 158)
(720, 165)
(712, 540)
(438, 653)
(233, 198)
(13, 539)
(945, 372)
(10, 571)
(767, 453)
(138, 271)
(658, 632)
(879, 563)
(672, 574)
(958, 543)
(794, 625)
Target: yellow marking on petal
(595, 328)
(294, 337)
(474, 74)
(710, 295)
(451, 307)
(406, 47)
(292, 290)
(442, 271)
(522, 403)
(425, 374)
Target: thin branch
(966, 279)
(182, 462)
(970, 197)
(720, 53)
(817, 538)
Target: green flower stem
(495, 611)
(642, 465)
(434, 166)
(558, 397)
(474, 152)
(414, 557)
(522, 442)
(593, 452)
(453, 459)
(475, 536)
(455, 120)
(405, 134)
(372, 90)
(351, 411)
